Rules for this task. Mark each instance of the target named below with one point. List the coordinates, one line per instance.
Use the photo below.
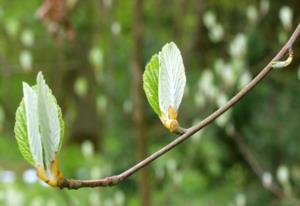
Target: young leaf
(39, 130)
(150, 83)
(285, 63)
(171, 84)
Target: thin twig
(113, 180)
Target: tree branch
(113, 180)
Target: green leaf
(21, 133)
(150, 81)
(44, 117)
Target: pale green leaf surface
(32, 121)
(171, 78)
(150, 83)
(279, 64)
(49, 121)
(21, 133)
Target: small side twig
(113, 180)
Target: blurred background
(93, 54)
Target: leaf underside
(49, 124)
(172, 78)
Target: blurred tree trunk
(138, 109)
(87, 124)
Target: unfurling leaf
(39, 130)
(164, 82)
(285, 63)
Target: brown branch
(113, 180)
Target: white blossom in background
(71, 3)
(222, 120)
(252, 14)
(108, 202)
(119, 198)
(238, 46)
(199, 99)
(11, 27)
(25, 60)
(107, 3)
(115, 28)
(267, 179)
(95, 198)
(283, 174)
(13, 197)
(95, 172)
(206, 84)
(264, 6)
(228, 75)
(244, 79)
(221, 99)
(96, 57)
(286, 17)
(219, 64)
(238, 65)
(51, 202)
(101, 103)
(240, 199)
(216, 33)
(7, 176)
(37, 201)
(87, 149)
(81, 86)
(29, 176)
(27, 38)
(96, 60)
(209, 19)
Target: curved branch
(113, 180)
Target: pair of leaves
(164, 81)
(39, 127)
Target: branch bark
(113, 180)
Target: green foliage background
(90, 78)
